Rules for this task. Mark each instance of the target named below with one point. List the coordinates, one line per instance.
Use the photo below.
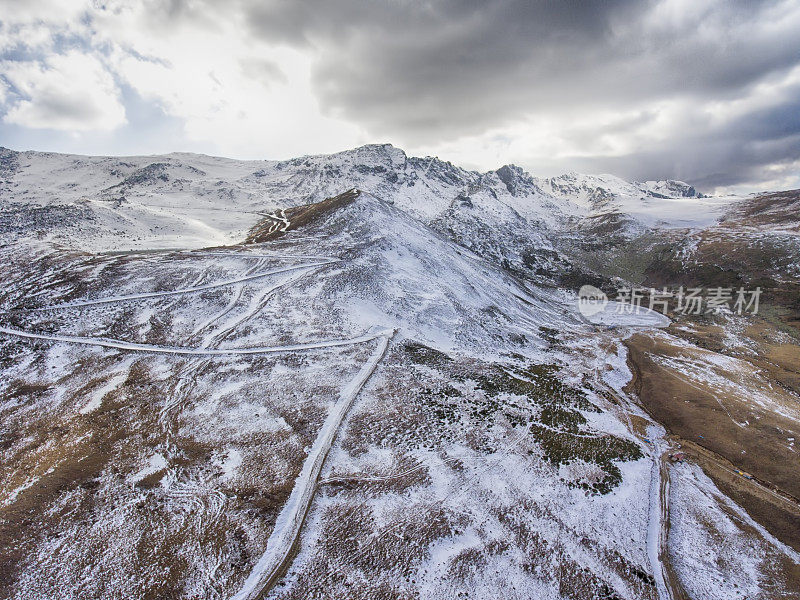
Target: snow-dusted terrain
(188, 201)
(385, 393)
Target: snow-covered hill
(366, 375)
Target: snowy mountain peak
(671, 189)
(516, 179)
(189, 200)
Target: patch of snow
(156, 463)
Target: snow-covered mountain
(366, 375)
(186, 200)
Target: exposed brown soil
(779, 516)
(780, 360)
(780, 208)
(300, 216)
(66, 466)
(70, 458)
(702, 418)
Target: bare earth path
(285, 536)
(189, 290)
(136, 347)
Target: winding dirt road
(286, 534)
(668, 586)
(135, 347)
(189, 290)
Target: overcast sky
(703, 91)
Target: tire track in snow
(262, 255)
(189, 290)
(287, 528)
(176, 350)
(213, 338)
(238, 290)
(181, 391)
(286, 533)
(218, 335)
(658, 526)
(237, 295)
(280, 221)
(667, 585)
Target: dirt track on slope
(274, 226)
(708, 424)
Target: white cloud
(55, 11)
(34, 24)
(67, 92)
(248, 97)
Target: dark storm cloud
(430, 71)
(503, 54)
(738, 153)
(304, 22)
(425, 72)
